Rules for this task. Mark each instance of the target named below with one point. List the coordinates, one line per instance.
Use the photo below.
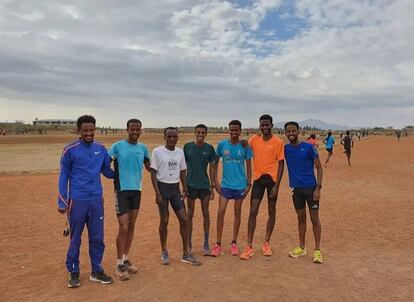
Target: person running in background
(398, 133)
(198, 156)
(168, 168)
(329, 141)
(268, 163)
(348, 144)
(301, 159)
(80, 197)
(312, 140)
(235, 184)
(129, 157)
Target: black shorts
(301, 196)
(330, 150)
(126, 201)
(170, 194)
(265, 182)
(348, 151)
(197, 193)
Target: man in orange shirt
(268, 162)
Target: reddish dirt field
(366, 212)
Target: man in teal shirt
(198, 156)
(235, 184)
(129, 157)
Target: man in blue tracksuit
(80, 196)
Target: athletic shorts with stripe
(171, 195)
(127, 200)
(301, 196)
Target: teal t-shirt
(129, 160)
(234, 171)
(197, 159)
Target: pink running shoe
(217, 251)
(234, 249)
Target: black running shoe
(100, 277)
(73, 280)
(190, 260)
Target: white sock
(119, 261)
(125, 257)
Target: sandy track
(366, 214)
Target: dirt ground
(367, 214)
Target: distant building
(55, 123)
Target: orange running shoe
(247, 253)
(267, 251)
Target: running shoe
(190, 260)
(267, 251)
(101, 277)
(234, 250)
(164, 258)
(297, 252)
(73, 280)
(217, 251)
(205, 251)
(122, 272)
(132, 269)
(317, 257)
(247, 253)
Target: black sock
(233, 242)
(218, 243)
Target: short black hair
(85, 119)
(170, 128)
(235, 122)
(292, 123)
(266, 117)
(201, 126)
(312, 136)
(329, 133)
(348, 132)
(133, 120)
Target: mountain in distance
(315, 123)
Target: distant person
(398, 133)
(268, 163)
(359, 135)
(235, 183)
(329, 143)
(301, 159)
(348, 144)
(168, 168)
(340, 135)
(80, 197)
(130, 156)
(312, 140)
(405, 133)
(199, 156)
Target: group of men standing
(195, 167)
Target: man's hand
(211, 193)
(317, 194)
(218, 187)
(158, 199)
(246, 191)
(62, 210)
(274, 192)
(184, 194)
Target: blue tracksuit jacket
(81, 166)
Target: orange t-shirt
(266, 155)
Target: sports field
(367, 214)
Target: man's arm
(183, 176)
(147, 164)
(319, 175)
(249, 176)
(106, 167)
(280, 169)
(154, 181)
(212, 174)
(64, 174)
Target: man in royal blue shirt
(80, 196)
(301, 158)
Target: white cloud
(187, 60)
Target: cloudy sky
(180, 62)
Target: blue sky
(344, 61)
